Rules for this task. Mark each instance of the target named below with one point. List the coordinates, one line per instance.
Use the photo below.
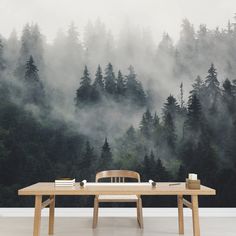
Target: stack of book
(64, 182)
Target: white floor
(118, 226)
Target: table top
(162, 188)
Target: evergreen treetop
(211, 79)
(120, 85)
(85, 80)
(31, 72)
(110, 84)
(98, 82)
(194, 115)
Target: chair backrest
(118, 176)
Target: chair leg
(140, 213)
(95, 212)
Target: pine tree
(84, 92)
(110, 84)
(98, 82)
(87, 162)
(131, 134)
(194, 115)
(146, 125)
(156, 121)
(120, 85)
(198, 87)
(161, 172)
(35, 91)
(169, 129)
(146, 168)
(211, 79)
(105, 162)
(228, 96)
(227, 87)
(170, 107)
(212, 92)
(85, 80)
(134, 89)
(182, 173)
(31, 73)
(152, 171)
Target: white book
(72, 184)
(64, 184)
(64, 181)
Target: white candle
(192, 176)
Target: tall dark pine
(84, 92)
(212, 87)
(169, 129)
(156, 121)
(87, 162)
(146, 124)
(198, 86)
(34, 88)
(194, 115)
(31, 73)
(146, 168)
(110, 83)
(170, 107)
(211, 79)
(98, 82)
(134, 88)
(120, 85)
(212, 92)
(105, 161)
(162, 173)
(229, 96)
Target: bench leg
(51, 215)
(180, 214)
(195, 215)
(37, 215)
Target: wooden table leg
(37, 215)
(181, 214)
(51, 215)
(195, 215)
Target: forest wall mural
(90, 101)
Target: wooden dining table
(175, 189)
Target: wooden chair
(118, 176)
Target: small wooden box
(193, 184)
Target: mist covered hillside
(90, 101)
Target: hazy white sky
(157, 15)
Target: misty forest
(91, 101)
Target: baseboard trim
(118, 212)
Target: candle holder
(193, 184)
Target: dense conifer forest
(84, 104)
